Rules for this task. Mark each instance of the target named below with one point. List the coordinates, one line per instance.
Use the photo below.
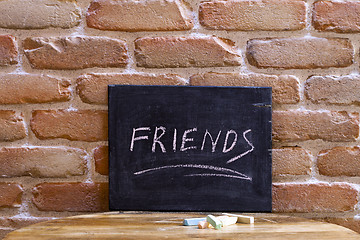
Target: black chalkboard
(182, 148)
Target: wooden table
(132, 225)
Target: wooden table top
(135, 225)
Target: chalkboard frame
(126, 193)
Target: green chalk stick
(214, 221)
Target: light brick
(12, 126)
(31, 88)
(101, 157)
(339, 161)
(248, 15)
(24, 14)
(77, 125)
(351, 223)
(72, 197)
(93, 88)
(162, 52)
(339, 90)
(285, 88)
(8, 50)
(300, 53)
(76, 52)
(336, 16)
(42, 162)
(299, 125)
(10, 195)
(314, 197)
(290, 161)
(143, 15)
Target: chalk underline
(234, 174)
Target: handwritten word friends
(187, 140)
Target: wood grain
(135, 225)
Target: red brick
(77, 125)
(290, 161)
(72, 197)
(92, 87)
(285, 88)
(12, 126)
(351, 223)
(155, 15)
(8, 50)
(75, 52)
(101, 157)
(31, 88)
(299, 125)
(336, 16)
(339, 161)
(314, 197)
(300, 53)
(162, 52)
(10, 195)
(23, 14)
(339, 90)
(42, 162)
(248, 15)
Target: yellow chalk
(241, 218)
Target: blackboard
(183, 148)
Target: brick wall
(57, 57)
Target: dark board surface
(176, 148)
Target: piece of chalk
(192, 221)
(204, 224)
(226, 220)
(214, 221)
(241, 218)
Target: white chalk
(226, 220)
(242, 218)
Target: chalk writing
(186, 140)
(233, 173)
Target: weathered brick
(336, 16)
(300, 53)
(299, 125)
(72, 197)
(143, 15)
(42, 162)
(10, 194)
(8, 50)
(77, 125)
(210, 51)
(291, 161)
(92, 88)
(314, 197)
(339, 161)
(339, 90)
(31, 88)
(351, 223)
(24, 14)
(285, 88)
(248, 15)
(12, 126)
(101, 157)
(76, 52)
